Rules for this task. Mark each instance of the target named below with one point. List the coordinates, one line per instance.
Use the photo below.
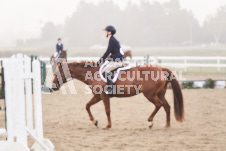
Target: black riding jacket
(114, 50)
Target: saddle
(115, 71)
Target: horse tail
(177, 94)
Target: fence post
(37, 99)
(155, 60)
(20, 100)
(29, 104)
(9, 98)
(3, 82)
(42, 73)
(147, 59)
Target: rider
(59, 48)
(116, 58)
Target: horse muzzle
(55, 87)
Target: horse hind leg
(167, 110)
(158, 103)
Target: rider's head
(59, 40)
(110, 31)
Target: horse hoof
(106, 128)
(167, 125)
(150, 124)
(96, 123)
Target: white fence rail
(218, 62)
(182, 62)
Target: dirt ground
(67, 125)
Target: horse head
(65, 71)
(59, 76)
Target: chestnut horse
(153, 88)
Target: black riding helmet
(111, 29)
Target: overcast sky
(24, 18)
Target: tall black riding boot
(109, 89)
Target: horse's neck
(79, 73)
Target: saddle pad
(116, 74)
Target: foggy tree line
(152, 24)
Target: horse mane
(83, 63)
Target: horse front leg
(106, 101)
(93, 101)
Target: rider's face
(108, 33)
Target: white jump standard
(22, 106)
